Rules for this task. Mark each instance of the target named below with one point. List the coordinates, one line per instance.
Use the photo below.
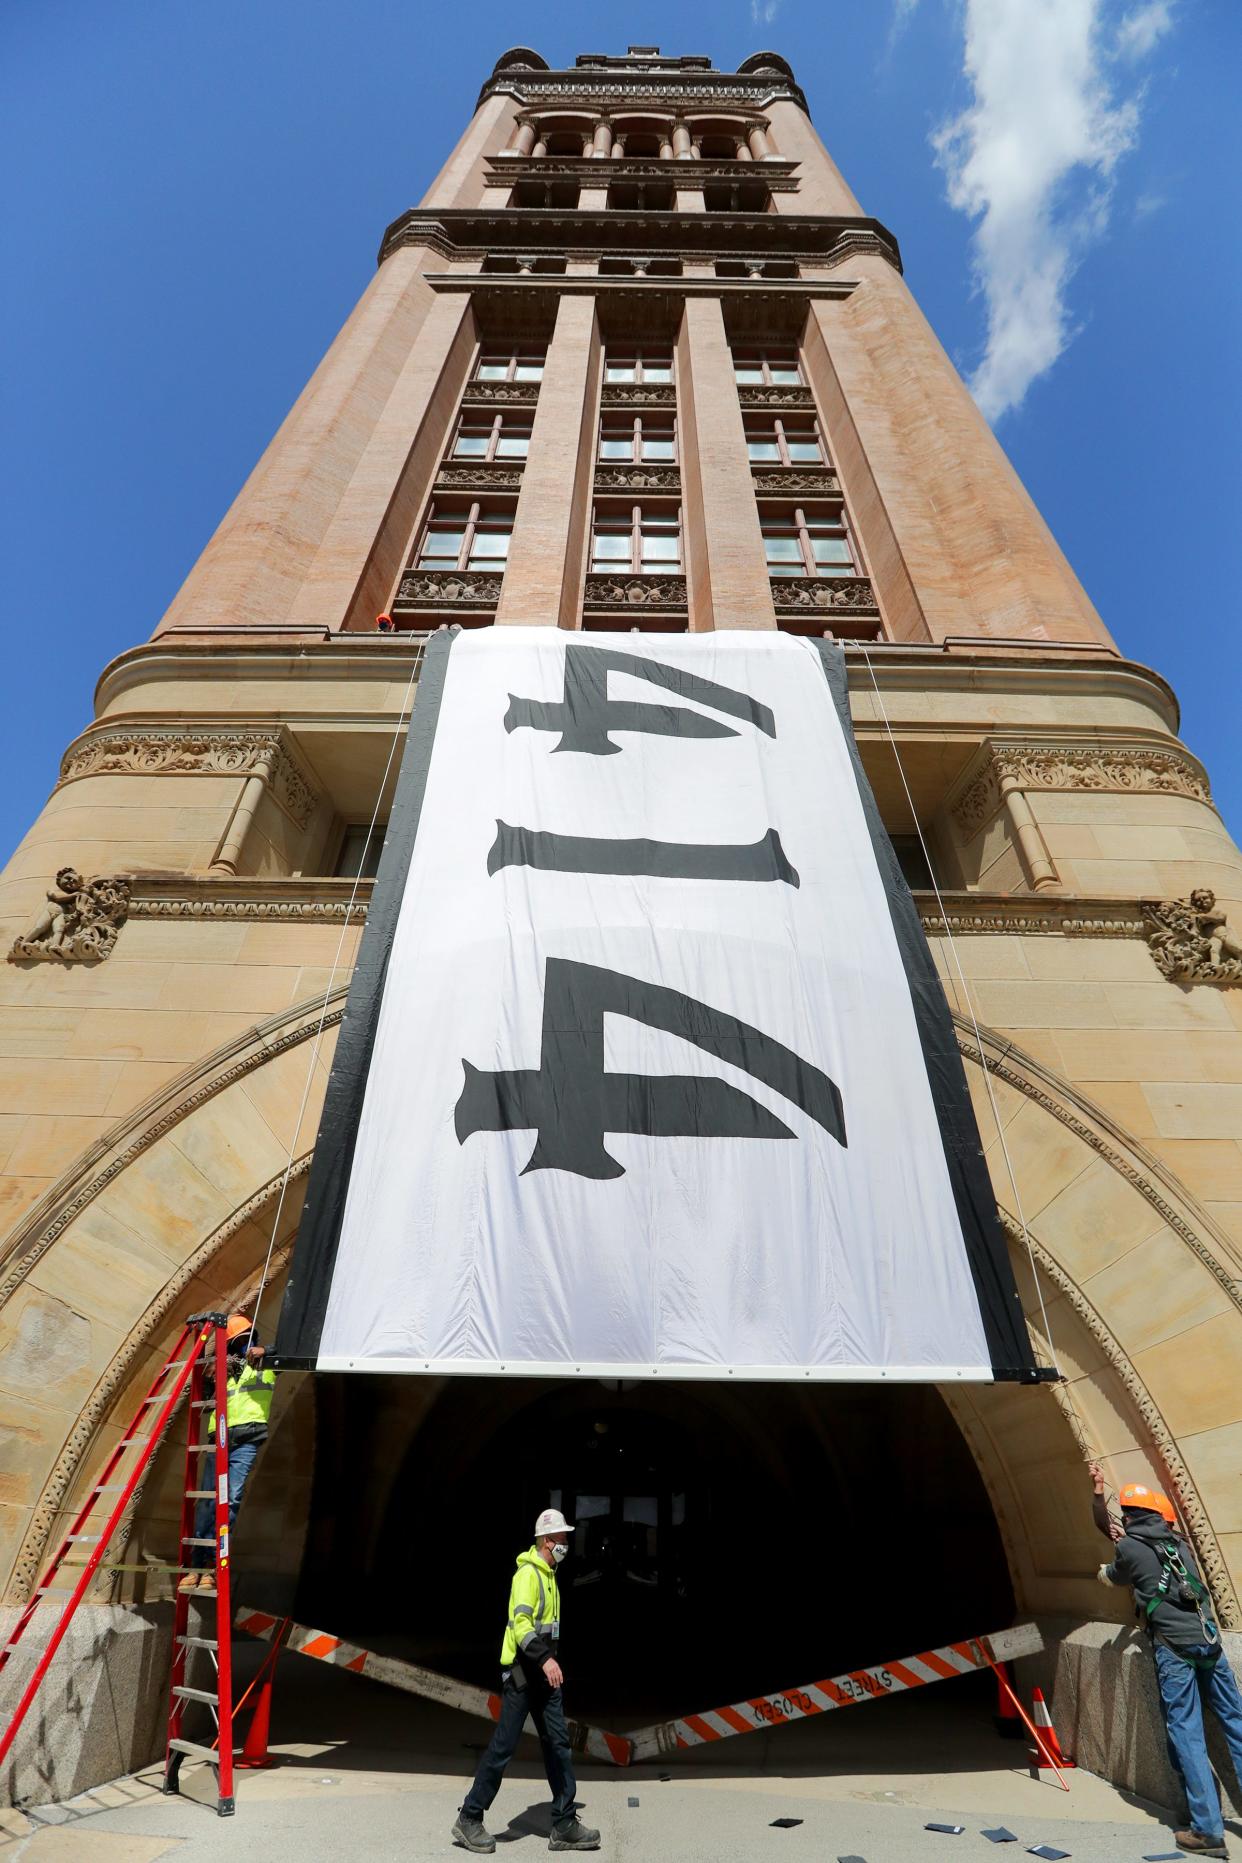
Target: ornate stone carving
(479, 478)
(79, 924)
(1177, 1476)
(773, 395)
(1035, 766)
(293, 911)
(469, 588)
(635, 592)
(167, 751)
(674, 92)
(638, 395)
(797, 481)
(686, 174)
(502, 394)
(94, 1412)
(640, 478)
(1191, 940)
(850, 594)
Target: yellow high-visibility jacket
(248, 1398)
(534, 1625)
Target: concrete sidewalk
(369, 1774)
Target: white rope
(327, 995)
(957, 962)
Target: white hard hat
(551, 1520)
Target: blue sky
(195, 194)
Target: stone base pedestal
(1106, 1709)
(100, 1711)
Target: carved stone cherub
(80, 921)
(1191, 941)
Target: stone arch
(169, 1213)
(1132, 1288)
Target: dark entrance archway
(728, 1538)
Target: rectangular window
(641, 539)
(473, 536)
(644, 365)
(647, 436)
(783, 442)
(360, 850)
(513, 365)
(806, 542)
(492, 436)
(768, 368)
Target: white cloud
(1140, 31)
(763, 12)
(903, 13)
(1031, 160)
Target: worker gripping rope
(248, 1406)
(531, 1683)
(1175, 1608)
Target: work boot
(1197, 1845)
(573, 1836)
(469, 1834)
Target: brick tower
(638, 360)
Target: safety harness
(1190, 1594)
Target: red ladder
(121, 1475)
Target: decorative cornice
(172, 751)
(796, 481)
(663, 291)
(306, 901)
(772, 395)
(635, 592)
(587, 171)
(638, 395)
(613, 90)
(639, 478)
(500, 394)
(831, 594)
(1028, 915)
(1139, 768)
(859, 244)
(465, 588)
(481, 477)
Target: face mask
(559, 1553)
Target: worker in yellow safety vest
(248, 1408)
(531, 1683)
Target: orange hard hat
(1137, 1494)
(238, 1324)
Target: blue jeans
(242, 1458)
(1183, 1690)
(547, 1709)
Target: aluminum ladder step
(192, 1748)
(196, 1694)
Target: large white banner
(644, 1072)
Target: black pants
(547, 1709)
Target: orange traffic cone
(1048, 1734)
(1007, 1721)
(254, 1753)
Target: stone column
(666, 149)
(1033, 851)
(759, 145)
(681, 142)
(232, 842)
(523, 139)
(543, 578)
(601, 144)
(720, 520)
(742, 151)
(540, 149)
